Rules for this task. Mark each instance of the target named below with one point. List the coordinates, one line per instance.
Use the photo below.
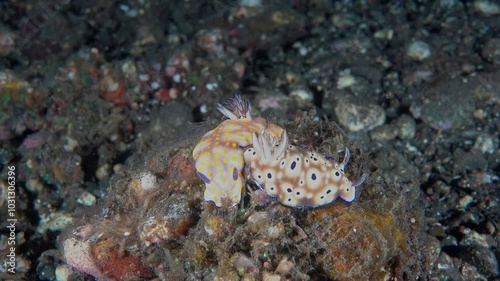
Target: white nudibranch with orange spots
(295, 176)
(219, 154)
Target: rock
(491, 50)
(437, 230)
(244, 265)
(6, 155)
(77, 254)
(468, 161)
(87, 199)
(446, 267)
(357, 116)
(71, 144)
(449, 241)
(419, 50)
(406, 127)
(488, 8)
(345, 81)
(34, 185)
(63, 272)
(302, 97)
(171, 220)
(118, 264)
(433, 106)
(485, 143)
(384, 132)
(7, 43)
(261, 223)
(267, 276)
(284, 266)
(216, 227)
(390, 160)
(353, 238)
(482, 258)
(471, 238)
(103, 172)
(148, 181)
(464, 202)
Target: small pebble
(465, 202)
(449, 241)
(267, 276)
(345, 81)
(63, 272)
(148, 181)
(71, 144)
(384, 132)
(102, 172)
(284, 266)
(419, 50)
(472, 238)
(468, 68)
(302, 96)
(87, 199)
(480, 114)
(485, 143)
(55, 222)
(437, 230)
(292, 77)
(406, 127)
(357, 117)
(490, 227)
(491, 50)
(488, 8)
(5, 156)
(251, 3)
(448, 3)
(215, 227)
(482, 258)
(34, 185)
(244, 265)
(118, 168)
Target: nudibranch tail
(236, 108)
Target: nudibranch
(219, 154)
(297, 177)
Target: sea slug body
(297, 177)
(219, 154)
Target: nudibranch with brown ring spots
(219, 154)
(297, 177)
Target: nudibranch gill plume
(219, 154)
